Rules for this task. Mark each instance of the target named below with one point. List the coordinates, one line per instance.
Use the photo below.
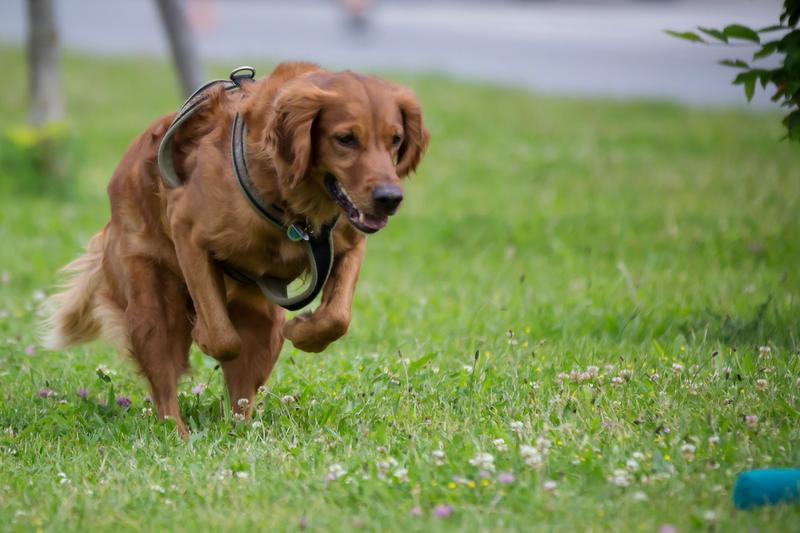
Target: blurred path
(610, 48)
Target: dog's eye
(396, 140)
(348, 139)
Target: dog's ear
(416, 137)
(289, 128)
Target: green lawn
(657, 243)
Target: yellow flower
(666, 457)
(470, 484)
(485, 482)
(451, 485)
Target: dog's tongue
(368, 222)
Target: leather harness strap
(318, 246)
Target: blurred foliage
(38, 160)
(785, 77)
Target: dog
(318, 145)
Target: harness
(318, 247)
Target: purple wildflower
(506, 478)
(30, 349)
(123, 401)
(442, 511)
(82, 392)
(198, 389)
(46, 393)
(667, 528)
(416, 511)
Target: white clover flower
(335, 471)
(710, 516)
(764, 352)
(751, 420)
(639, 496)
(468, 369)
(549, 485)
(688, 450)
(531, 456)
(562, 377)
(241, 474)
(543, 444)
(401, 474)
(637, 455)
(103, 370)
(677, 368)
(619, 478)
(500, 444)
(713, 440)
(762, 384)
(626, 373)
(62, 478)
(484, 461)
(242, 403)
(147, 412)
(517, 427)
(654, 377)
(288, 399)
(592, 372)
(616, 380)
(439, 457)
(258, 424)
(385, 465)
(632, 465)
(237, 417)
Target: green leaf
(711, 32)
(419, 363)
(748, 79)
(750, 89)
(737, 31)
(685, 35)
(775, 27)
(767, 50)
(735, 63)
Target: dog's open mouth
(362, 221)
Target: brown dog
(152, 280)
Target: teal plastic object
(767, 487)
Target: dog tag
(295, 233)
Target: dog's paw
(313, 333)
(222, 346)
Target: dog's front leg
(313, 332)
(213, 331)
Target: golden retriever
(152, 280)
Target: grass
(542, 235)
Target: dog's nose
(386, 199)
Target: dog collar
(318, 245)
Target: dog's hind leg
(158, 321)
(259, 324)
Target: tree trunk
(46, 104)
(182, 45)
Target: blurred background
(586, 47)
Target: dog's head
(343, 142)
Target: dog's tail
(71, 314)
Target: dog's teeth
(361, 218)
